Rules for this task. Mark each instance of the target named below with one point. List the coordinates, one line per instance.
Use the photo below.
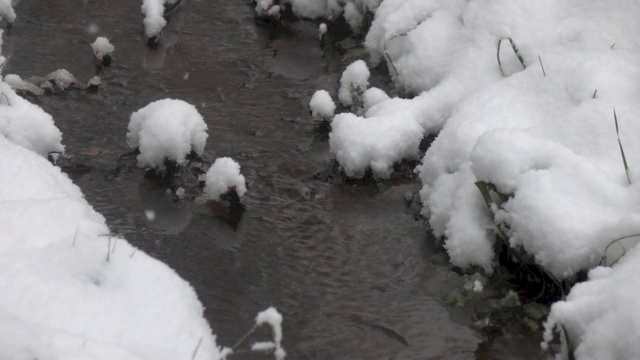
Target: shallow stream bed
(352, 271)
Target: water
(353, 273)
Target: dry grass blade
(386, 54)
(484, 190)
(542, 66)
(603, 261)
(624, 158)
(195, 352)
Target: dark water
(352, 272)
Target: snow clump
(322, 106)
(600, 315)
(19, 85)
(154, 20)
(26, 124)
(353, 16)
(221, 177)
(7, 12)
(273, 318)
(373, 96)
(267, 9)
(375, 141)
(101, 47)
(167, 129)
(322, 29)
(353, 83)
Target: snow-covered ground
(71, 289)
(522, 97)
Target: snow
(153, 11)
(539, 127)
(267, 8)
(273, 318)
(375, 142)
(7, 11)
(600, 315)
(166, 129)
(78, 292)
(353, 16)
(17, 83)
(62, 78)
(322, 29)
(221, 176)
(353, 83)
(26, 124)
(373, 96)
(101, 47)
(329, 9)
(322, 105)
(313, 9)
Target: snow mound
(153, 11)
(376, 141)
(547, 142)
(221, 176)
(101, 47)
(322, 105)
(273, 318)
(600, 315)
(18, 84)
(373, 96)
(7, 11)
(78, 292)
(26, 124)
(353, 83)
(166, 129)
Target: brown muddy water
(355, 276)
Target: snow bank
(600, 316)
(221, 176)
(72, 291)
(166, 129)
(543, 137)
(26, 124)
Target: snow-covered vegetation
(522, 98)
(354, 11)
(353, 83)
(167, 129)
(101, 47)
(223, 176)
(74, 290)
(7, 12)
(26, 124)
(154, 20)
(322, 106)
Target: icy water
(353, 273)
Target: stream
(354, 274)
